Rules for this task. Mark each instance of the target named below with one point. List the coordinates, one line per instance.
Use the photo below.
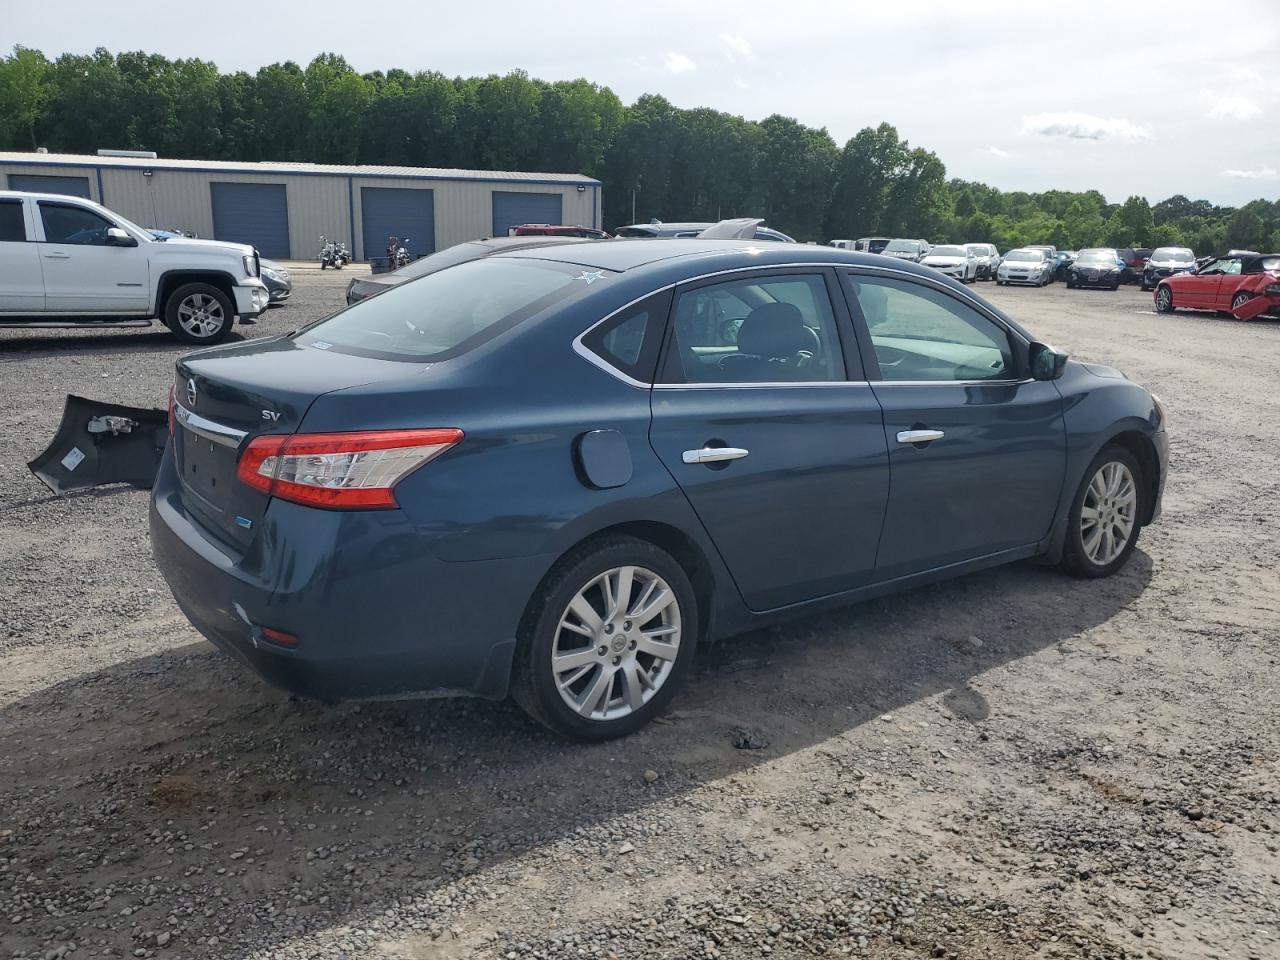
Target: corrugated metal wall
(318, 204)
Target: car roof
(516, 243)
(626, 253)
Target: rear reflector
(278, 636)
(340, 471)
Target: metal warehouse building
(283, 208)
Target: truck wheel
(199, 313)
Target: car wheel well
(1144, 451)
(667, 538)
(172, 281)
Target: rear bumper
(375, 613)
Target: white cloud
(1083, 126)
(678, 63)
(1262, 173)
(741, 84)
(997, 152)
(1231, 108)
(736, 47)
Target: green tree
(25, 88)
(865, 168)
(1131, 225)
(1245, 230)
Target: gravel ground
(1010, 765)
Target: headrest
(775, 330)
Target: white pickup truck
(68, 262)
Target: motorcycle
(330, 256)
(397, 254)
(344, 255)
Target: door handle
(713, 454)
(919, 436)
(57, 256)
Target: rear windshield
(445, 314)
(448, 257)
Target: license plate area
(208, 469)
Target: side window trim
(835, 303)
(1017, 342)
(651, 351)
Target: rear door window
(761, 329)
(448, 313)
(13, 228)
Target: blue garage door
(71, 186)
(397, 212)
(513, 209)
(256, 213)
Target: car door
(21, 284)
(780, 453)
(977, 450)
(82, 273)
(1229, 282)
(1201, 289)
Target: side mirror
(116, 237)
(1047, 363)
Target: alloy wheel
(1239, 300)
(201, 315)
(616, 643)
(1109, 513)
(1164, 298)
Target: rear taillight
(340, 471)
(173, 424)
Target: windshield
(903, 246)
(449, 312)
(948, 252)
(1173, 254)
(1097, 256)
(1024, 255)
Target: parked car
(872, 244)
(1165, 262)
(953, 261)
(364, 287)
(1245, 286)
(517, 475)
(66, 261)
(988, 259)
(556, 230)
(1051, 254)
(912, 250)
(1062, 263)
(656, 228)
(1025, 265)
(1096, 267)
(276, 279)
(1135, 263)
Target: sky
(1149, 97)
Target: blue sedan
(552, 473)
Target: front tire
(1164, 300)
(1106, 513)
(199, 313)
(607, 640)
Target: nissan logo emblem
(191, 392)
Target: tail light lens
(340, 471)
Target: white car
(954, 261)
(1025, 265)
(913, 250)
(69, 262)
(988, 259)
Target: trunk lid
(226, 396)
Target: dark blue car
(551, 473)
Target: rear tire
(1239, 300)
(1105, 519)
(627, 680)
(199, 313)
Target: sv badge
(272, 415)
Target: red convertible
(1245, 286)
